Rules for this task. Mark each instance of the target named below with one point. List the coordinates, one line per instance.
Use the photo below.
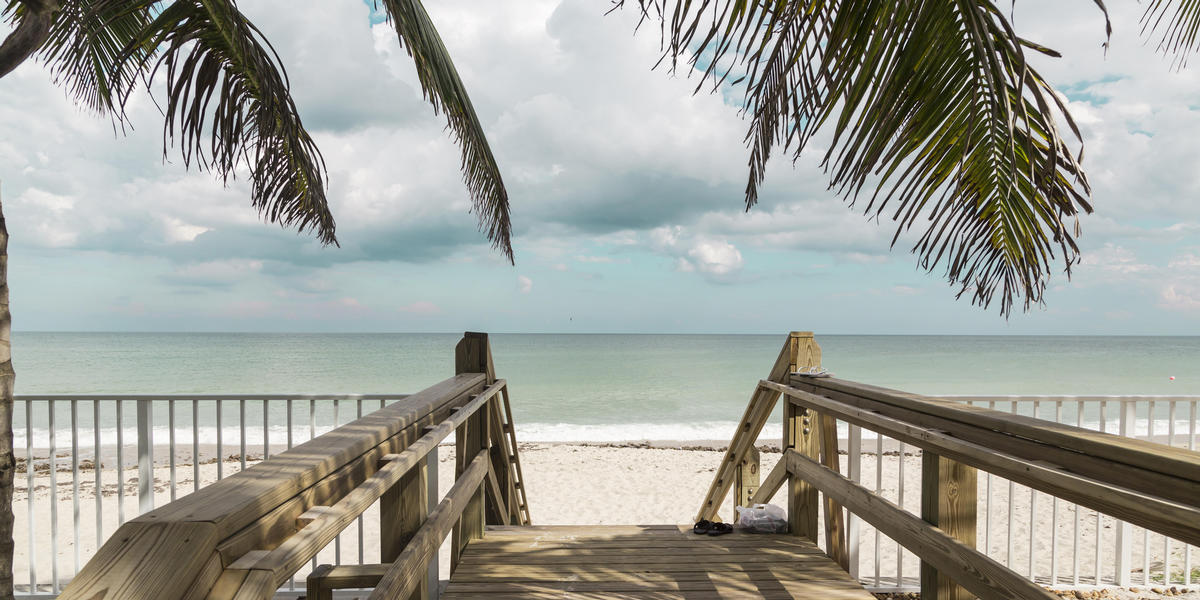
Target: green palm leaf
(228, 104)
(87, 49)
(1178, 25)
(444, 89)
(937, 122)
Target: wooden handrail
(244, 535)
(1140, 482)
(329, 521)
(1028, 446)
(969, 567)
(1178, 462)
(1113, 495)
(186, 546)
(407, 571)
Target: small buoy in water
(1172, 378)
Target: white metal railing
(177, 436)
(1082, 548)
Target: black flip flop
(702, 527)
(720, 529)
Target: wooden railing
(245, 535)
(1152, 485)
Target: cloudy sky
(626, 197)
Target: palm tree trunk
(29, 35)
(7, 464)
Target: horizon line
(659, 333)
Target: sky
(626, 192)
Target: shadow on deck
(644, 561)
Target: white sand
(574, 484)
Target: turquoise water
(596, 387)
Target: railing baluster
(120, 462)
(1171, 415)
(171, 443)
(75, 481)
(900, 502)
(289, 423)
(312, 433)
(145, 447)
(242, 434)
(97, 468)
(220, 442)
(29, 496)
(361, 554)
(1099, 517)
(854, 468)
(987, 515)
(1146, 532)
(1058, 418)
(266, 431)
(195, 445)
(1124, 532)
(1012, 505)
(1191, 444)
(1075, 548)
(337, 541)
(53, 458)
(878, 490)
(1033, 515)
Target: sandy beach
(571, 484)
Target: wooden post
(800, 434)
(835, 523)
(316, 584)
(502, 466)
(473, 354)
(402, 511)
(746, 479)
(948, 501)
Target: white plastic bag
(762, 518)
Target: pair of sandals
(706, 527)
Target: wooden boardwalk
(644, 561)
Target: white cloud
(716, 257)
(604, 159)
(175, 230)
(1114, 259)
(1181, 297)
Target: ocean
(575, 387)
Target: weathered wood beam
(1174, 461)
(948, 502)
(409, 568)
(1149, 509)
(762, 403)
(970, 568)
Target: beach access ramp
(246, 535)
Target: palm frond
(91, 50)
(443, 88)
(1177, 24)
(934, 113)
(226, 85)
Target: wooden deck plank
(644, 562)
